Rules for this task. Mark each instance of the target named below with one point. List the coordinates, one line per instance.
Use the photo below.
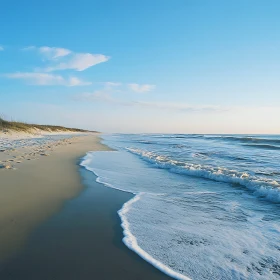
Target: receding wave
(131, 242)
(262, 187)
(129, 239)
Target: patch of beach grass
(6, 126)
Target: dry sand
(36, 189)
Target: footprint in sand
(8, 166)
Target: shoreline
(38, 188)
(129, 239)
(81, 241)
(38, 235)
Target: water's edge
(129, 239)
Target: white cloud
(65, 59)
(79, 62)
(45, 79)
(141, 88)
(50, 53)
(53, 53)
(1, 48)
(74, 81)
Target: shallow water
(206, 206)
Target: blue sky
(187, 66)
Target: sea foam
(189, 227)
(129, 239)
(197, 228)
(131, 242)
(263, 187)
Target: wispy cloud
(65, 59)
(49, 52)
(53, 53)
(74, 81)
(103, 96)
(141, 88)
(79, 62)
(54, 59)
(46, 79)
(1, 48)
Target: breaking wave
(261, 187)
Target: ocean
(205, 206)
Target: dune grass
(6, 126)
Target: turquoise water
(205, 206)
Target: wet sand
(38, 188)
(57, 222)
(83, 241)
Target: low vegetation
(6, 126)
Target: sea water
(205, 206)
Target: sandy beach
(38, 188)
(57, 222)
